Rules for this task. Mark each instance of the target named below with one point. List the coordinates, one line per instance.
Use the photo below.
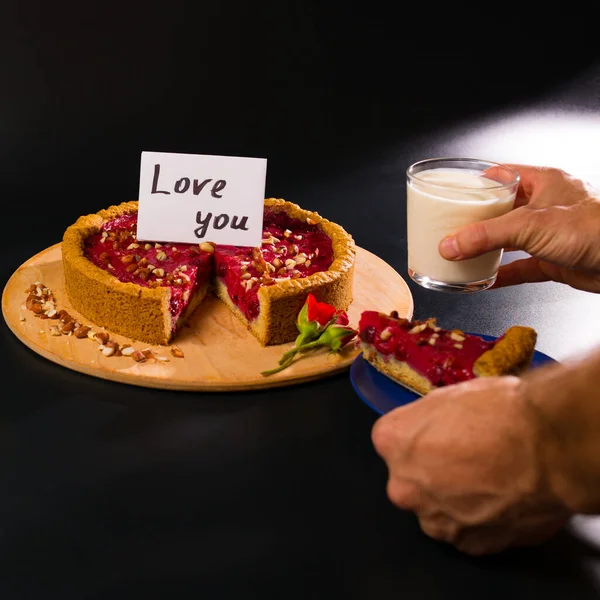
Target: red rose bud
(341, 318)
(335, 337)
(321, 312)
(309, 329)
(319, 324)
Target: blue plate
(382, 394)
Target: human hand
(556, 220)
(466, 460)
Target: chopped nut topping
(290, 263)
(159, 272)
(147, 246)
(310, 221)
(177, 352)
(127, 350)
(157, 245)
(294, 248)
(138, 356)
(81, 331)
(54, 331)
(457, 335)
(102, 337)
(108, 350)
(316, 252)
(287, 233)
(458, 346)
(307, 263)
(246, 275)
(418, 328)
(277, 262)
(386, 334)
(131, 268)
(207, 247)
(133, 246)
(298, 237)
(301, 258)
(161, 255)
(432, 341)
(66, 328)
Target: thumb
(475, 239)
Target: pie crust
(143, 313)
(281, 303)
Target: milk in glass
(440, 201)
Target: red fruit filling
(183, 268)
(290, 249)
(443, 357)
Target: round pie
(146, 290)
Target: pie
(147, 290)
(422, 356)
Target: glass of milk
(443, 194)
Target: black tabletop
(115, 491)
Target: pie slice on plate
(147, 290)
(422, 356)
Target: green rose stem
(287, 359)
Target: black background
(112, 491)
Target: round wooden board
(220, 353)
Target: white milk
(433, 212)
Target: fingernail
(449, 248)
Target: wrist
(562, 398)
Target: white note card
(195, 198)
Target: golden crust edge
(82, 274)
(511, 355)
(398, 371)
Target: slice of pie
(301, 253)
(147, 290)
(422, 356)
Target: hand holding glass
(443, 195)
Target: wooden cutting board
(219, 353)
